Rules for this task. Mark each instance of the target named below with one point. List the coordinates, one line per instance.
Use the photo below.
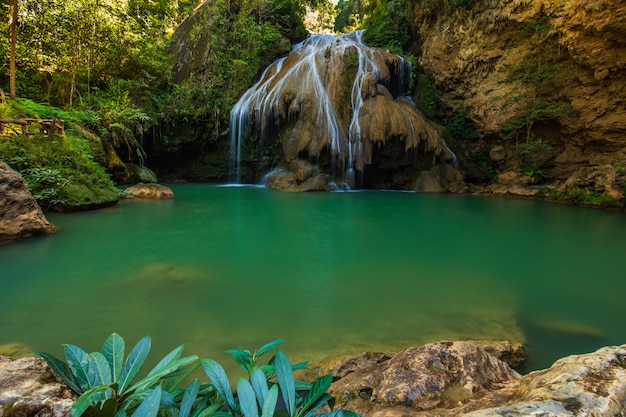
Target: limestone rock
(601, 179)
(20, 215)
(514, 178)
(150, 191)
(29, 388)
(468, 54)
(423, 377)
(593, 384)
(288, 181)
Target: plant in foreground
(106, 384)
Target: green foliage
(350, 14)
(59, 171)
(483, 161)
(461, 127)
(539, 68)
(109, 385)
(585, 197)
(426, 98)
(388, 26)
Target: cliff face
(565, 58)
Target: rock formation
(460, 379)
(20, 215)
(149, 191)
(29, 388)
(495, 57)
(338, 102)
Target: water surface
(235, 267)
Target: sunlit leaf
(77, 360)
(133, 363)
(113, 351)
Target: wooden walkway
(46, 127)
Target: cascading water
(332, 95)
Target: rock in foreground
(20, 215)
(29, 388)
(461, 379)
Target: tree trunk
(13, 41)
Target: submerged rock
(20, 215)
(149, 191)
(162, 277)
(15, 350)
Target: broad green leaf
(189, 397)
(180, 375)
(168, 400)
(269, 405)
(113, 350)
(83, 402)
(267, 347)
(303, 385)
(325, 398)
(247, 399)
(300, 365)
(242, 357)
(150, 380)
(318, 389)
(77, 360)
(203, 410)
(133, 363)
(220, 381)
(268, 370)
(98, 371)
(62, 370)
(259, 384)
(150, 406)
(284, 375)
(165, 362)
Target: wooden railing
(47, 127)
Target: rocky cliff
(542, 81)
(20, 215)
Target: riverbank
(448, 378)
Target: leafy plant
(461, 127)
(108, 385)
(258, 396)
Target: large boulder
(447, 379)
(29, 388)
(20, 215)
(425, 377)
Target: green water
(331, 273)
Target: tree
(13, 42)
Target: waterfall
(337, 96)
